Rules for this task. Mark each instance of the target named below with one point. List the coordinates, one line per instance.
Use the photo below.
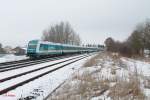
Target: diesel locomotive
(37, 48)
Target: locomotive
(37, 48)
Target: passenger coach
(38, 48)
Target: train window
(43, 47)
(30, 46)
(65, 47)
(57, 47)
(51, 47)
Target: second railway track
(27, 63)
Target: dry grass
(113, 71)
(93, 61)
(87, 87)
(127, 88)
(91, 84)
(147, 83)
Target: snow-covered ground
(39, 88)
(105, 78)
(11, 57)
(109, 78)
(142, 67)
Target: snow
(41, 87)
(102, 97)
(28, 76)
(11, 57)
(25, 69)
(143, 67)
(103, 70)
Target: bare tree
(140, 38)
(110, 44)
(136, 42)
(61, 33)
(147, 34)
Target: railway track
(20, 61)
(7, 83)
(27, 60)
(27, 63)
(13, 62)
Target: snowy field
(39, 88)
(107, 77)
(99, 77)
(11, 57)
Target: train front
(32, 48)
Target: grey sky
(93, 20)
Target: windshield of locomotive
(32, 44)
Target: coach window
(43, 47)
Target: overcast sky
(93, 20)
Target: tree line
(61, 33)
(64, 33)
(135, 44)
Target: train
(38, 48)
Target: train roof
(47, 42)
